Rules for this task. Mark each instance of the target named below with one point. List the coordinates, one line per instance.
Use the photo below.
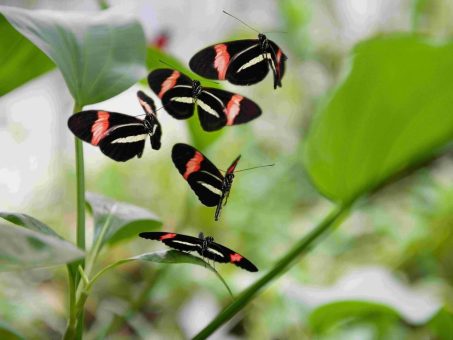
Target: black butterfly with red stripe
(205, 246)
(216, 108)
(211, 187)
(241, 62)
(119, 136)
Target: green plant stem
(75, 327)
(285, 262)
(70, 330)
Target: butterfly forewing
(237, 109)
(164, 79)
(203, 176)
(278, 62)
(232, 257)
(147, 103)
(176, 241)
(179, 102)
(211, 110)
(212, 62)
(248, 67)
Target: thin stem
(80, 177)
(286, 262)
(94, 252)
(75, 323)
(70, 330)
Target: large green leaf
(331, 314)
(124, 220)
(392, 112)
(99, 54)
(169, 257)
(21, 60)
(29, 222)
(9, 333)
(26, 248)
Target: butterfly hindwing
(212, 62)
(203, 177)
(91, 125)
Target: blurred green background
(385, 273)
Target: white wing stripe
(207, 108)
(211, 188)
(128, 139)
(254, 61)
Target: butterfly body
(241, 62)
(216, 108)
(205, 246)
(119, 136)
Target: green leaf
(442, 325)
(21, 60)
(29, 222)
(126, 220)
(155, 59)
(9, 333)
(326, 316)
(99, 54)
(392, 112)
(22, 248)
(170, 257)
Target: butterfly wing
(213, 62)
(124, 142)
(175, 91)
(176, 241)
(220, 253)
(248, 67)
(203, 177)
(151, 123)
(146, 102)
(231, 109)
(124, 133)
(277, 63)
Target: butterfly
(119, 136)
(211, 187)
(241, 62)
(216, 108)
(205, 246)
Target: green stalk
(285, 262)
(80, 178)
(75, 327)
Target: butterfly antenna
(173, 67)
(256, 167)
(231, 15)
(144, 114)
(279, 32)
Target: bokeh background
(385, 273)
